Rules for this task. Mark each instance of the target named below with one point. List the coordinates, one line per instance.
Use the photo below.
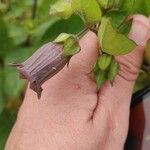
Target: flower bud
(42, 65)
(71, 46)
(100, 76)
(89, 10)
(104, 61)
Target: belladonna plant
(47, 61)
(109, 19)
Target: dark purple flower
(42, 65)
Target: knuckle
(129, 68)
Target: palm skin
(71, 115)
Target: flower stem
(82, 33)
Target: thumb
(118, 97)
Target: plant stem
(34, 10)
(82, 33)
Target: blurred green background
(24, 26)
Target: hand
(70, 114)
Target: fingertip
(119, 95)
(140, 29)
(89, 52)
(89, 38)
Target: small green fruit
(104, 61)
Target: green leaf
(62, 38)
(117, 17)
(128, 5)
(135, 6)
(113, 70)
(72, 26)
(83, 8)
(6, 43)
(18, 34)
(1, 90)
(6, 124)
(113, 42)
(13, 88)
(147, 6)
(71, 47)
(125, 27)
(61, 9)
(42, 29)
(104, 61)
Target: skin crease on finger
(70, 114)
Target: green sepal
(88, 10)
(104, 61)
(100, 76)
(118, 17)
(71, 46)
(111, 41)
(113, 70)
(61, 9)
(62, 37)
